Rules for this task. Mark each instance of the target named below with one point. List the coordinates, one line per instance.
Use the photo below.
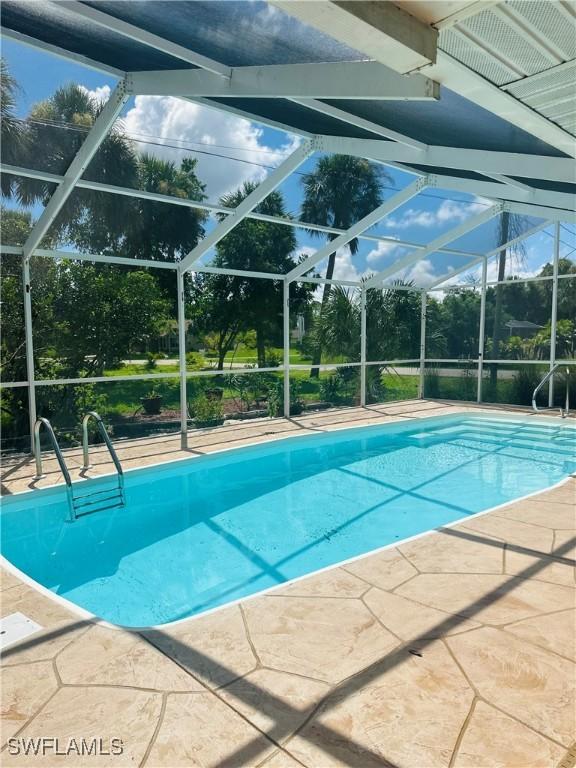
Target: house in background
(523, 328)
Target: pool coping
(86, 615)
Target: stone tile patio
(457, 650)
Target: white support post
(286, 345)
(250, 202)
(423, 307)
(93, 140)
(554, 314)
(481, 330)
(29, 349)
(181, 299)
(363, 345)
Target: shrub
(340, 387)
(375, 387)
(468, 378)
(273, 359)
(151, 359)
(432, 381)
(525, 381)
(276, 399)
(207, 410)
(195, 361)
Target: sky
(192, 130)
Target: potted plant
(152, 402)
(207, 412)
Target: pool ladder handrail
(40, 422)
(111, 450)
(563, 411)
(89, 502)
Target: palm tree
(56, 129)
(393, 326)
(338, 193)
(12, 130)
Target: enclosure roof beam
(359, 122)
(250, 202)
(381, 30)
(333, 80)
(94, 257)
(368, 221)
(62, 53)
(90, 145)
(476, 160)
(439, 242)
(184, 202)
(230, 109)
(480, 259)
(360, 25)
(543, 211)
(539, 199)
(16, 250)
(143, 37)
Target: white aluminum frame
(90, 145)
(305, 84)
(250, 202)
(333, 80)
(439, 242)
(368, 221)
(423, 310)
(554, 312)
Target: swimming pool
(202, 532)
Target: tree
(12, 130)
(216, 311)
(162, 232)
(234, 304)
(59, 125)
(393, 326)
(509, 227)
(101, 312)
(338, 193)
(460, 318)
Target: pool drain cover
(16, 627)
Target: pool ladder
(564, 412)
(86, 503)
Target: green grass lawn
(123, 397)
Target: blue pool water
(202, 532)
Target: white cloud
(382, 250)
(170, 119)
(101, 94)
(421, 274)
(344, 268)
(448, 212)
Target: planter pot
(151, 405)
(296, 409)
(203, 423)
